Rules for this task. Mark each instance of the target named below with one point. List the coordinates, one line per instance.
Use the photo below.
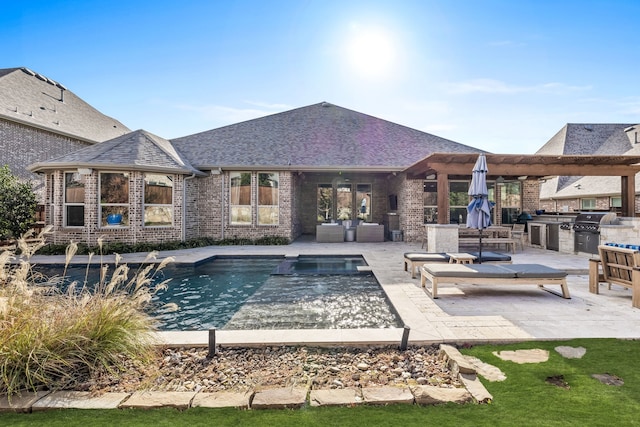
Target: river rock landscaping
(245, 369)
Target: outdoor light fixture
(522, 178)
(431, 176)
(500, 180)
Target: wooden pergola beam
(511, 166)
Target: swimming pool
(246, 293)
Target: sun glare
(371, 52)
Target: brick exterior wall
(134, 232)
(530, 193)
(21, 146)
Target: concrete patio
(462, 314)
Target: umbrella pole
(480, 251)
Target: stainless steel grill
(587, 230)
(589, 222)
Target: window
(240, 198)
(158, 200)
(615, 202)
(458, 201)
(73, 199)
(430, 201)
(588, 203)
(363, 200)
(325, 202)
(510, 197)
(344, 201)
(268, 199)
(114, 199)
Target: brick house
(587, 193)
(279, 175)
(41, 119)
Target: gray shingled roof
(35, 100)
(583, 138)
(138, 150)
(319, 136)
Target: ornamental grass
(52, 338)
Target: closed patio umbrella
(479, 210)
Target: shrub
(17, 205)
(124, 248)
(54, 339)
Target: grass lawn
(525, 398)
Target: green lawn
(524, 399)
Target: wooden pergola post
(628, 194)
(443, 198)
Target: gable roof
(138, 150)
(585, 139)
(35, 100)
(316, 137)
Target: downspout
(184, 206)
(224, 208)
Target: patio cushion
(423, 256)
(469, 270)
(491, 256)
(535, 270)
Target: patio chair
(425, 238)
(519, 234)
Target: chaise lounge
(492, 274)
(413, 260)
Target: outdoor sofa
(492, 274)
(330, 233)
(413, 260)
(370, 232)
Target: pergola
(511, 166)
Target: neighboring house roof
(581, 139)
(138, 150)
(35, 100)
(316, 137)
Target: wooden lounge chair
(492, 274)
(620, 266)
(413, 260)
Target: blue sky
(502, 76)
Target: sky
(499, 75)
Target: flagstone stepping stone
(335, 397)
(476, 388)
(20, 402)
(430, 395)
(157, 399)
(571, 352)
(487, 371)
(280, 398)
(222, 399)
(79, 400)
(534, 355)
(608, 379)
(387, 395)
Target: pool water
(246, 293)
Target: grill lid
(590, 221)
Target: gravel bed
(245, 369)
